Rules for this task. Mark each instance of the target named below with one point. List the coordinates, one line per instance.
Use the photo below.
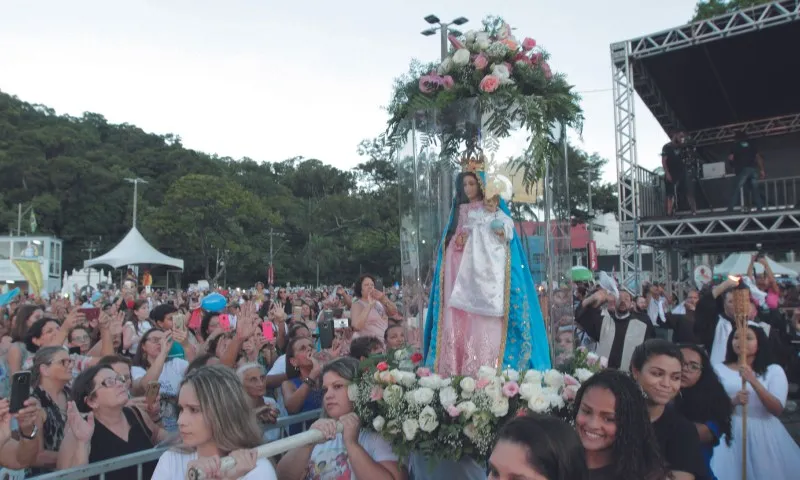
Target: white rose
(423, 396)
(461, 57)
(352, 392)
(533, 377)
(549, 391)
(410, 427)
(445, 67)
(500, 407)
(583, 374)
(407, 379)
(526, 391)
(448, 396)
(493, 391)
(393, 394)
(555, 400)
(433, 382)
(511, 374)
(539, 404)
(387, 377)
(467, 385)
(501, 71)
(445, 382)
(554, 378)
(428, 420)
(482, 41)
(486, 372)
(378, 423)
(467, 408)
(470, 36)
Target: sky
(273, 80)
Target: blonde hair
(225, 409)
(44, 356)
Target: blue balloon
(214, 303)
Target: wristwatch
(308, 381)
(32, 435)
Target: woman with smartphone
(370, 313)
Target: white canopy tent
(133, 250)
(737, 264)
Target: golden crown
(473, 163)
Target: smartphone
(74, 350)
(91, 314)
(326, 334)
(20, 391)
(327, 315)
(153, 389)
(297, 313)
(340, 323)
(267, 331)
(379, 285)
(179, 322)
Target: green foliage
(706, 9)
(72, 171)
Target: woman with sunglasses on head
(703, 401)
(771, 451)
(111, 429)
(215, 421)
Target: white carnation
(533, 377)
(549, 391)
(501, 71)
(467, 408)
(410, 427)
(511, 374)
(406, 379)
(482, 41)
(486, 372)
(428, 420)
(378, 423)
(583, 374)
(526, 391)
(554, 378)
(493, 391)
(461, 57)
(393, 394)
(352, 392)
(539, 404)
(433, 382)
(467, 385)
(500, 407)
(448, 396)
(423, 396)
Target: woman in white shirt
(215, 421)
(352, 454)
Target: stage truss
(628, 76)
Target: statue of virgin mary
(483, 308)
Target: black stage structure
(710, 78)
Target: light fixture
(37, 242)
(432, 19)
(9, 282)
(429, 32)
(460, 21)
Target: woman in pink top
(369, 314)
(766, 281)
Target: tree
(706, 9)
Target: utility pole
(91, 247)
(271, 273)
(135, 181)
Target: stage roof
(732, 69)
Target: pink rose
(423, 372)
(510, 389)
(521, 57)
(453, 411)
(570, 380)
(481, 62)
(448, 83)
(489, 83)
(548, 74)
(376, 394)
(603, 362)
(482, 382)
(569, 393)
(536, 57)
(528, 44)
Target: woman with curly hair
(614, 426)
(703, 400)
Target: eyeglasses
(65, 362)
(80, 338)
(692, 366)
(110, 382)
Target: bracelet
(311, 383)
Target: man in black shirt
(747, 163)
(680, 172)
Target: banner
(592, 248)
(31, 270)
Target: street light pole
(135, 182)
(271, 252)
(443, 29)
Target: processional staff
(741, 312)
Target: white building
(47, 249)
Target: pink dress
(376, 323)
(469, 341)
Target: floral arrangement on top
(416, 410)
(511, 81)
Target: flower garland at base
(418, 411)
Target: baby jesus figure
(480, 285)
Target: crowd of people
(155, 369)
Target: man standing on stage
(747, 163)
(680, 172)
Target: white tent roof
(737, 264)
(133, 250)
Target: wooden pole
(741, 309)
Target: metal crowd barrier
(145, 456)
